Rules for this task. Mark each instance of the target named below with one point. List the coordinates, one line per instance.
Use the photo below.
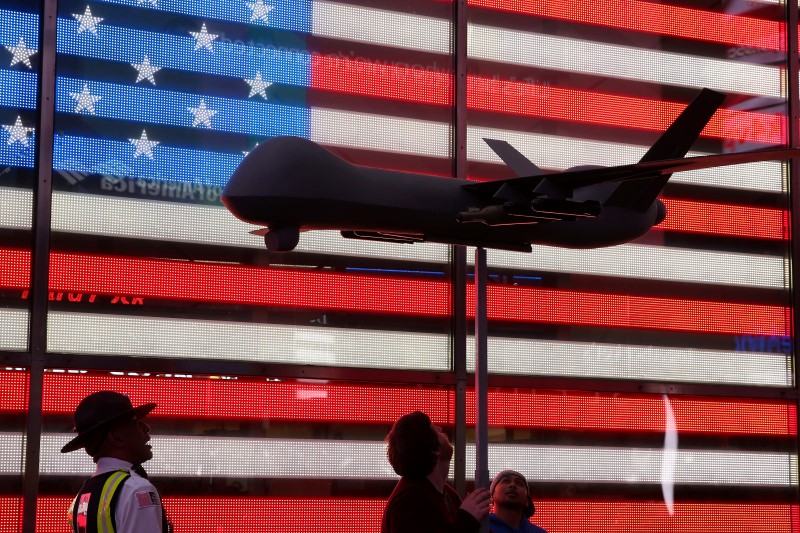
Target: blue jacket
(498, 526)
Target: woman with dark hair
(422, 501)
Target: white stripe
(414, 32)
(201, 339)
(168, 221)
(626, 62)
(652, 262)
(419, 137)
(114, 335)
(17, 208)
(550, 151)
(377, 26)
(207, 457)
(526, 357)
(14, 324)
(101, 215)
(379, 132)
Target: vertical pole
(459, 353)
(459, 253)
(40, 259)
(481, 378)
(793, 119)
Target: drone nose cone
(282, 166)
(661, 212)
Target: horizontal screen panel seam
(624, 62)
(253, 457)
(214, 398)
(121, 335)
(250, 285)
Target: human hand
(477, 503)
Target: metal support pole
(793, 116)
(459, 353)
(481, 378)
(40, 260)
(459, 253)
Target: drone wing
(638, 184)
(575, 179)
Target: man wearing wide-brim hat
(116, 499)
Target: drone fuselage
(289, 182)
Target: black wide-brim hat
(97, 411)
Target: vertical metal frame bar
(481, 377)
(793, 117)
(43, 208)
(458, 255)
(40, 262)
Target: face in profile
(135, 435)
(445, 448)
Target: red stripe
(649, 17)
(381, 81)
(725, 220)
(348, 514)
(15, 392)
(273, 287)
(204, 398)
(530, 100)
(589, 107)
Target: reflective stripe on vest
(93, 509)
(104, 523)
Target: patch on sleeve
(146, 499)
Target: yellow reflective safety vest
(92, 510)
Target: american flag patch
(146, 499)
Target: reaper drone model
(290, 184)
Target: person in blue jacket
(513, 506)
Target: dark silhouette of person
(118, 497)
(422, 501)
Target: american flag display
(158, 101)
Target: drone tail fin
(674, 143)
(513, 158)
